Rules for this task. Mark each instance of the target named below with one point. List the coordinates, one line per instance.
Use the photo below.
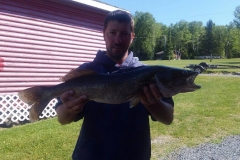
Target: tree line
(189, 39)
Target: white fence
(14, 110)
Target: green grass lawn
(46, 139)
(206, 115)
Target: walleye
(114, 88)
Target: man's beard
(116, 55)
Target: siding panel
(42, 40)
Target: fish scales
(108, 88)
(114, 88)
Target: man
(110, 131)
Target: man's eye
(112, 33)
(125, 33)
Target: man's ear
(132, 36)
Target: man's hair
(120, 16)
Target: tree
(181, 37)
(208, 40)
(190, 38)
(237, 16)
(161, 38)
(233, 45)
(196, 29)
(168, 51)
(218, 40)
(145, 30)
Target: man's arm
(71, 106)
(160, 110)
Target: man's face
(118, 37)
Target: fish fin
(77, 73)
(134, 102)
(36, 98)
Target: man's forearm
(161, 111)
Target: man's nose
(118, 38)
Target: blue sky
(172, 11)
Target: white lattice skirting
(12, 108)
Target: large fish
(114, 88)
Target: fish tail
(37, 98)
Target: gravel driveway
(228, 149)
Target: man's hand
(160, 110)
(72, 105)
(151, 94)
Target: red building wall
(42, 40)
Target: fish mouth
(190, 81)
(179, 84)
(190, 85)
